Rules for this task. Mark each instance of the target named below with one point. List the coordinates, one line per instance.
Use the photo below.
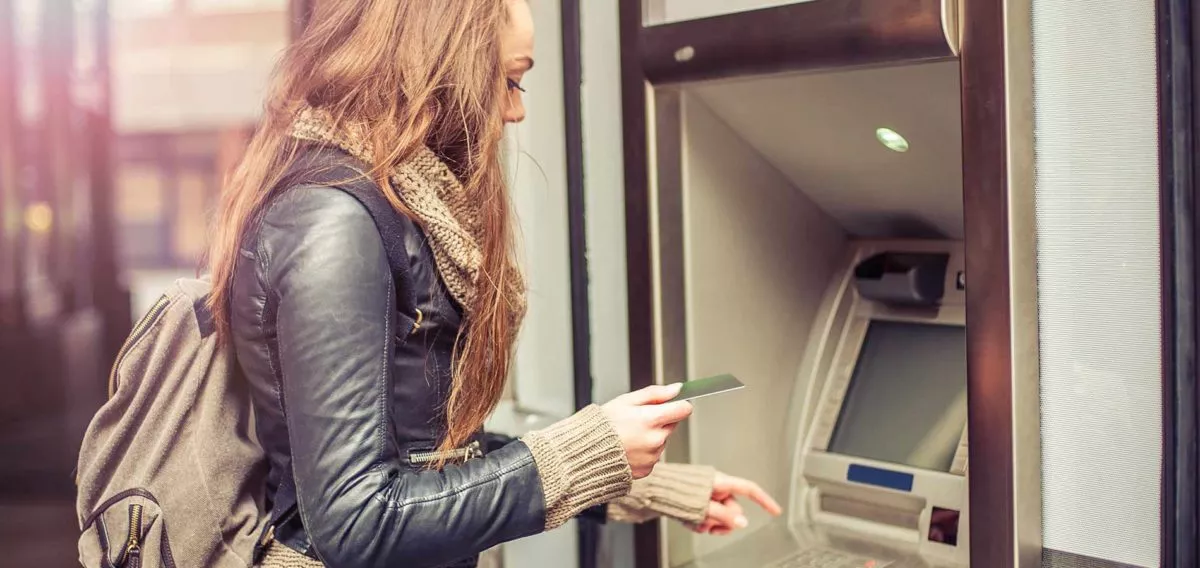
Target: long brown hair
(412, 72)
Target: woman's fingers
(752, 491)
(734, 506)
(726, 516)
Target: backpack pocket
(126, 531)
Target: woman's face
(516, 52)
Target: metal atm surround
(997, 174)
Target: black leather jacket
(343, 399)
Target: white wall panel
(1097, 213)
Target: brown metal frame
(639, 259)
(989, 322)
(824, 34)
(843, 33)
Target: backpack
(170, 471)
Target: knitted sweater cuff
(678, 491)
(581, 464)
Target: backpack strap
(337, 169)
(320, 165)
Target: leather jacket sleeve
(324, 267)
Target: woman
(372, 431)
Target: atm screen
(906, 402)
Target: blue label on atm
(868, 475)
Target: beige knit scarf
(434, 194)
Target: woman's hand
(724, 513)
(644, 420)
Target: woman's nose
(514, 114)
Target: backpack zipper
(168, 557)
(132, 558)
(138, 331)
(470, 451)
(102, 536)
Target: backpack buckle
(417, 323)
(264, 541)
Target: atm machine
(805, 233)
(885, 452)
(878, 421)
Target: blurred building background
(188, 78)
(118, 121)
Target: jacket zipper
(138, 331)
(132, 558)
(471, 451)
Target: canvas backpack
(170, 471)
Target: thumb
(726, 515)
(653, 394)
(670, 413)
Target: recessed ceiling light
(892, 139)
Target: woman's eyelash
(515, 85)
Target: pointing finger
(755, 493)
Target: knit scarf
(435, 195)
